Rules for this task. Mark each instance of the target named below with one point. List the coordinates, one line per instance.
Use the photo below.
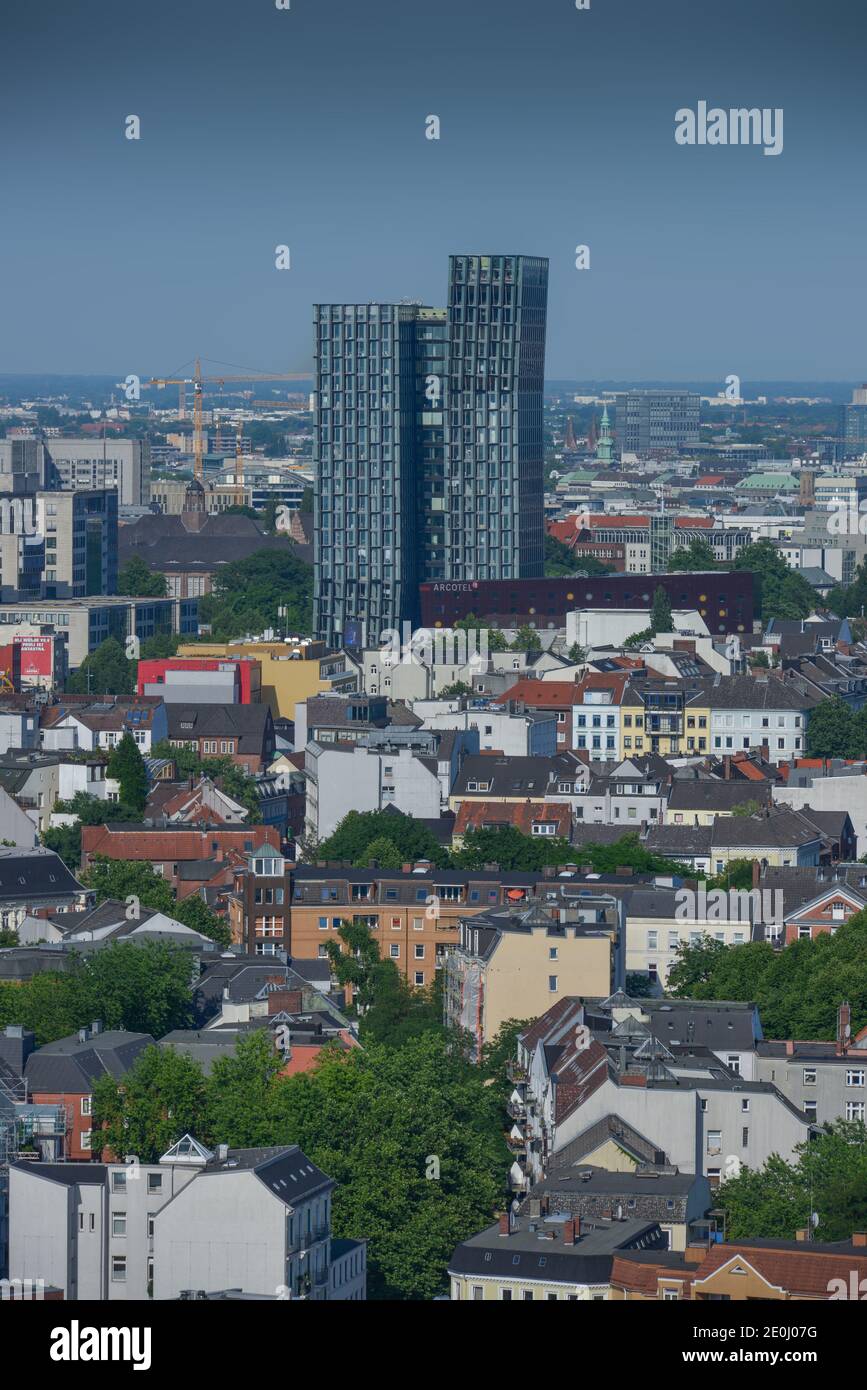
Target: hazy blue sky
(306, 127)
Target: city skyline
(703, 261)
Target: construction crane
(197, 381)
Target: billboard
(37, 659)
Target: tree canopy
(698, 555)
(412, 1135)
(143, 987)
(798, 990)
(780, 592)
(247, 595)
(138, 581)
(126, 766)
(829, 1178)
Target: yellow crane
(197, 381)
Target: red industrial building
(248, 673)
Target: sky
(305, 127)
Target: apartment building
(516, 963)
(761, 712)
(413, 770)
(196, 1222)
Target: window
(745, 1106)
(394, 950)
(552, 984)
(118, 1182)
(652, 940)
(810, 1107)
(714, 1141)
(855, 1077)
(155, 1182)
(745, 1137)
(809, 1076)
(419, 951)
(419, 977)
(85, 1105)
(854, 1109)
(733, 1062)
(118, 1223)
(118, 1269)
(553, 952)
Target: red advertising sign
(37, 656)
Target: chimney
(82, 1035)
(695, 1254)
(757, 873)
(96, 1027)
(406, 868)
(844, 1029)
(859, 1238)
(571, 1230)
(790, 1048)
(624, 871)
(222, 1152)
(727, 768)
(504, 1223)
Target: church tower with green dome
(605, 445)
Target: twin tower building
(428, 445)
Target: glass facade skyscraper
(428, 444)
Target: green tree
(577, 653)
(660, 614)
(414, 1138)
(495, 638)
(65, 840)
(751, 807)
(832, 731)
(381, 851)
(137, 580)
(359, 828)
(454, 691)
(527, 639)
(359, 966)
(247, 594)
(126, 766)
(698, 555)
(797, 990)
(780, 591)
(759, 658)
(239, 1090)
(829, 1177)
(162, 1097)
(142, 987)
(105, 671)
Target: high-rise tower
(428, 444)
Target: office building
(656, 421)
(88, 621)
(123, 464)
